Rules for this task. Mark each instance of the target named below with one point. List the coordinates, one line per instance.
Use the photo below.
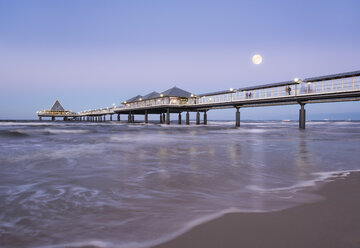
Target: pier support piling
(180, 118)
(237, 117)
(110, 117)
(168, 117)
(198, 118)
(129, 118)
(52, 118)
(205, 118)
(302, 116)
(187, 118)
(40, 118)
(133, 118)
(118, 117)
(161, 119)
(104, 117)
(146, 117)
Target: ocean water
(78, 184)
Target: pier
(330, 88)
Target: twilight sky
(90, 54)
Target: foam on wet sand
(331, 222)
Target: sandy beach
(330, 223)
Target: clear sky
(90, 54)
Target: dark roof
(57, 106)
(333, 76)
(250, 88)
(134, 99)
(151, 95)
(174, 91)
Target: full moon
(257, 59)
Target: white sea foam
(320, 177)
(11, 123)
(65, 131)
(244, 130)
(85, 243)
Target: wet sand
(329, 223)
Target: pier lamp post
(192, 95)
(162, 101)
(231, 94)
(298, 81)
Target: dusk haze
(90, 54)
(179, 124)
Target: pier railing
(300, 89)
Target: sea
(114, 184)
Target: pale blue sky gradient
(90, 54)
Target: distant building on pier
(57, 110)
(173, 95)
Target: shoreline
(332, 222)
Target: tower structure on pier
(56, 110)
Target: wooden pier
(330, 88)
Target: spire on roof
(57, 106)
(175, 91)
(151, 95)
(134, 99)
